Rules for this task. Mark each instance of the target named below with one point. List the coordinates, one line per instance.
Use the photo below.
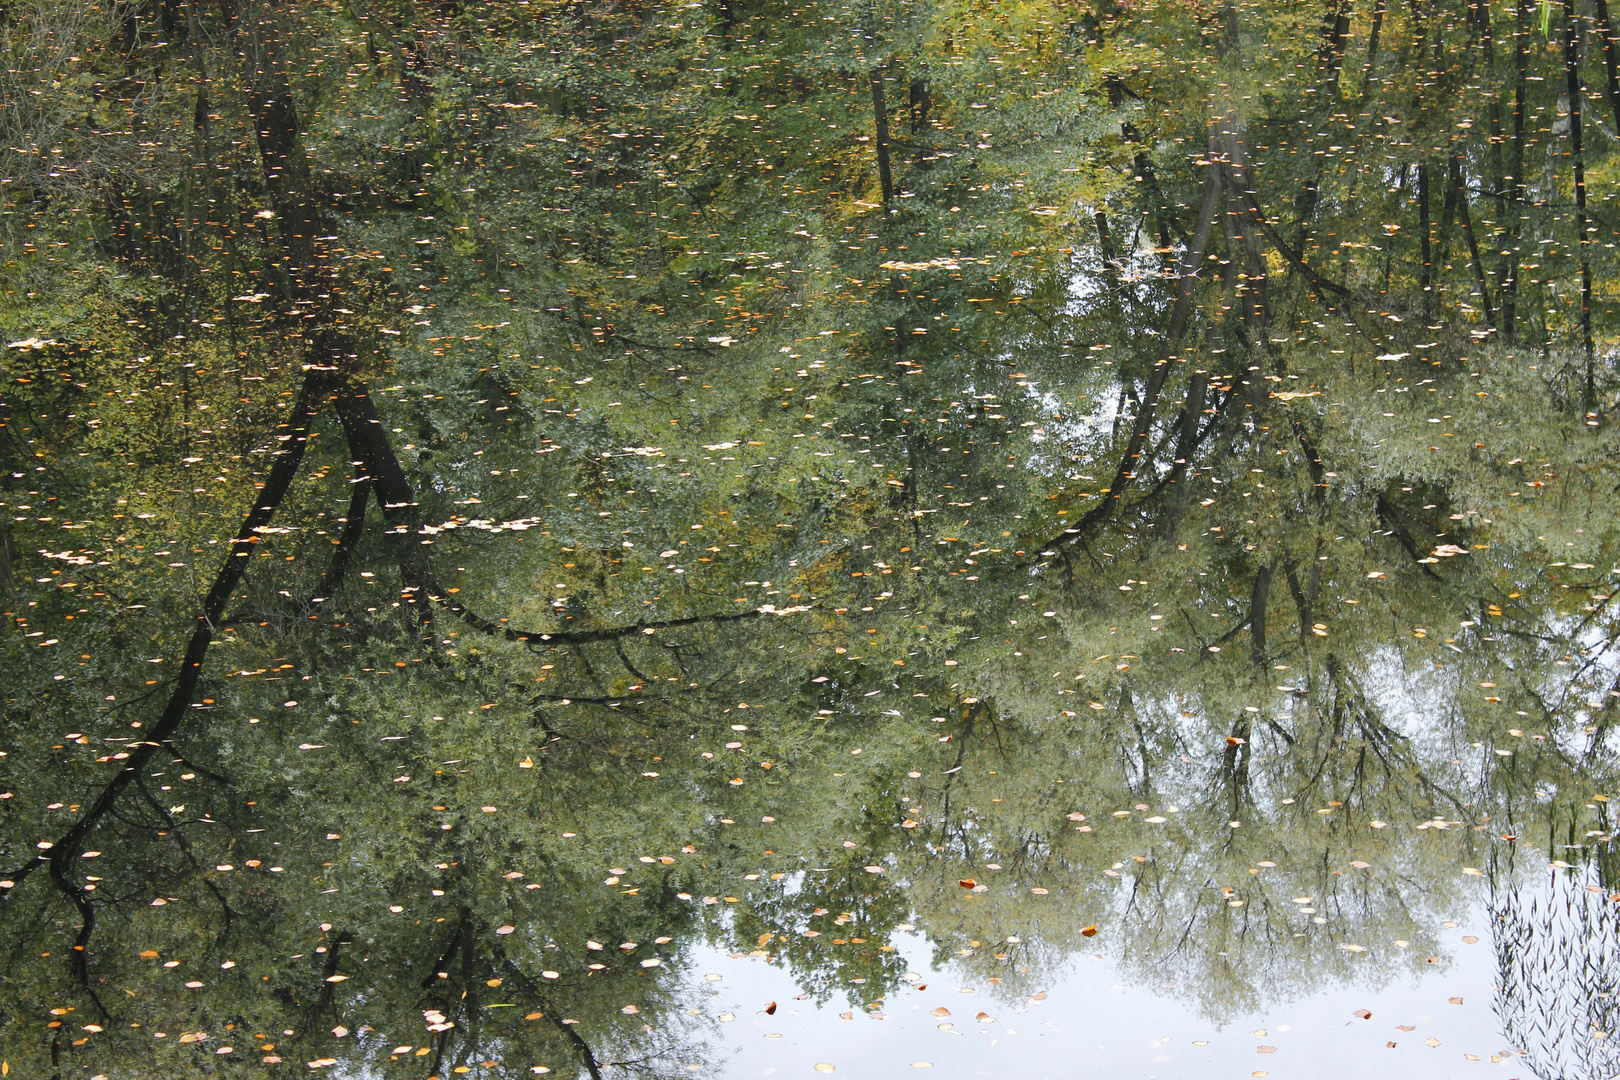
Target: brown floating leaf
(770, 1010)
(1365, 1014)
(1405, 1027)
(967, 883)
(1456, 1001)
(1266, 1049)
(1088, 931)
(941, 1011)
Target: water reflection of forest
(499, 498)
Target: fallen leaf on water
(1432, 1041)
(1405, 1027)
(1365, 1014)
(1266, 1049)
(770, 1010)
(941, 1011)
(1456, 1001)
(1088, 931)
(822, 1066)
(967, 883)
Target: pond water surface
(734, 540)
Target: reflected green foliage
(502, 499)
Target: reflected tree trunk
(1257, 612)
(880, 124)
(1370, 78)
(1460, 186)
(1611, 62)
(1180, 313)
(1572, 74)
(1425, 233)
(1516, 205)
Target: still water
(732, 540)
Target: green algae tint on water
(738, 539)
